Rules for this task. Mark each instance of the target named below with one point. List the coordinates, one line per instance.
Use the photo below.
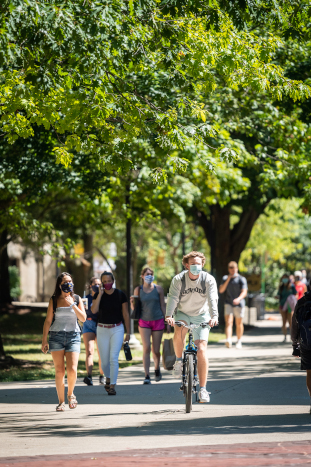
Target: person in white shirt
(193, 297)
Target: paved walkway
(258, 396)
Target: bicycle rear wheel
(189, 383)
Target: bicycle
(189, 373)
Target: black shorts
(305, 355)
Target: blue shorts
(62, 340)
(89, 326)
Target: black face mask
(95, 288)
(67, 287)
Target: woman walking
(286, 294)
(112, 308)
(151, 324)
(89, 333)
(61, 323)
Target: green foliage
(14, 282)
(80, 70)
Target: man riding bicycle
(193, 297)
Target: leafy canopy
(77, 67)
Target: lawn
(22, 333)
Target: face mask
(67, 287)
(195, 269)
(285, 280)
(149, 278)
(95, 288)
(108, 286)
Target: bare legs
(59, 364)
(286, 317)
(202, 362)
(228, 326)
(239, 327)
(71, 364)
(89, 339)
(72, 359)
(146, 334)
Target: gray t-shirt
(234, 289)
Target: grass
(22, 334)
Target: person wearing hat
(299, 285)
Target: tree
(74, 67)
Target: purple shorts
(157, 325)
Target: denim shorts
(62, 340)
(89, 326)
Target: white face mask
(195, 269)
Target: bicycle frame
(191, 349)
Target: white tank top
(65, 320)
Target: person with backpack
(301, 335)
(112, 308)
(89, 333)
(235, 288)
(61, 323)
(287, 301)
(193, 298)
(151, 323)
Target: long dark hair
(107, 273)
(58, 290)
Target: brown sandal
(60, 407)
(72, 401)
(111, 392)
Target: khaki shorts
(237, 311)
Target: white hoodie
(193, 301)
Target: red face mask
(108, 286)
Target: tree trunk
(5, 295)
(88, 252)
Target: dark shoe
(107, 385)
(88, 380)
(111, 392)
(147, 380)
(157, 375)
(101, 379)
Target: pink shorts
(157, 325)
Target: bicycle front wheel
(189, 383)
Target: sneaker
(157, 375)
(177, 369)
(147, 380)
(228, 343)
(238, 345)
(88, 380)
(101, 379)
(204, 396)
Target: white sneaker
(204, 396)
(238, 345)
(228, 343)
(177, 369)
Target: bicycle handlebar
(192, 326)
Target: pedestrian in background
(235, 288)
(299, 285)
(151, 323)
(304, 279)
(286, 289)
(61, 323)
(112, 308)
(89, 331)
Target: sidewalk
(258, 395)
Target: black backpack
(303, 315)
